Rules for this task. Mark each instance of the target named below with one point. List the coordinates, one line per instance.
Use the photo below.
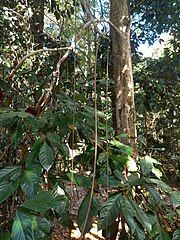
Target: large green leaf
(163, 235)
(109, 211)
(122, 147)
(10, 173)
(31, 159)
(160, 184)
(176, 234)
(63, 211)
(175, 197)
(42, 227)
(147, 166)
(155, 194)
(84, 220)
(5, 236)
(53, 138)
(140, 233)
(46, 156)
(129, 213)
(29, 226)
(45, 200)
(141, 216)
(29, 182)
(22, 228)
(7, 189)
(80, 180)
(118, 161)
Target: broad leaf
(53, 138)
(141, 216)
(29, 226)
(129, 213)
(46, 157)
(7, 189)
(44, 201)
(175, 197)
(163, 235)
(29, 182)
(140, 232)
(42, 227)
(122, 147)
(160, 184)
(10, 173)
(63, 211)
(5, 236)
(80, 180)
(147, 166)
(176, 234)
(110, 211)
(22, 228)
(155, 194)
(84, 220)
(111, 231)
(31, 159)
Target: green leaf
(63, 211)
(141, 216)
(82, 213)
(42, 227)
(155, 194)
(147, 166)
(128, 212)
(29, 182)
(29, 226)
(160, 184)
(53, 138)
(45, 201)
(163, 235)
(122, 147)
(140, 232)
(7, 189)
(109, 181)
(5, 236)
(175, 197)
(22, 228)
(110, 211)
(111, 231)
(46, 157)
(31, 159)
(176, 234)
(118, 161)
(79, 180)
(10, 173)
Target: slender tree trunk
(122, 70)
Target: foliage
(48, 130)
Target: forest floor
(59, 233)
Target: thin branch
(33, 53)
(5, 150)
(137, 5)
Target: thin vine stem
(95, 143)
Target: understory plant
(128, 198)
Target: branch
(33, 53)
(137, 5)
(5, 150)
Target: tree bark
(125, 121)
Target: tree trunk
(122, 70)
